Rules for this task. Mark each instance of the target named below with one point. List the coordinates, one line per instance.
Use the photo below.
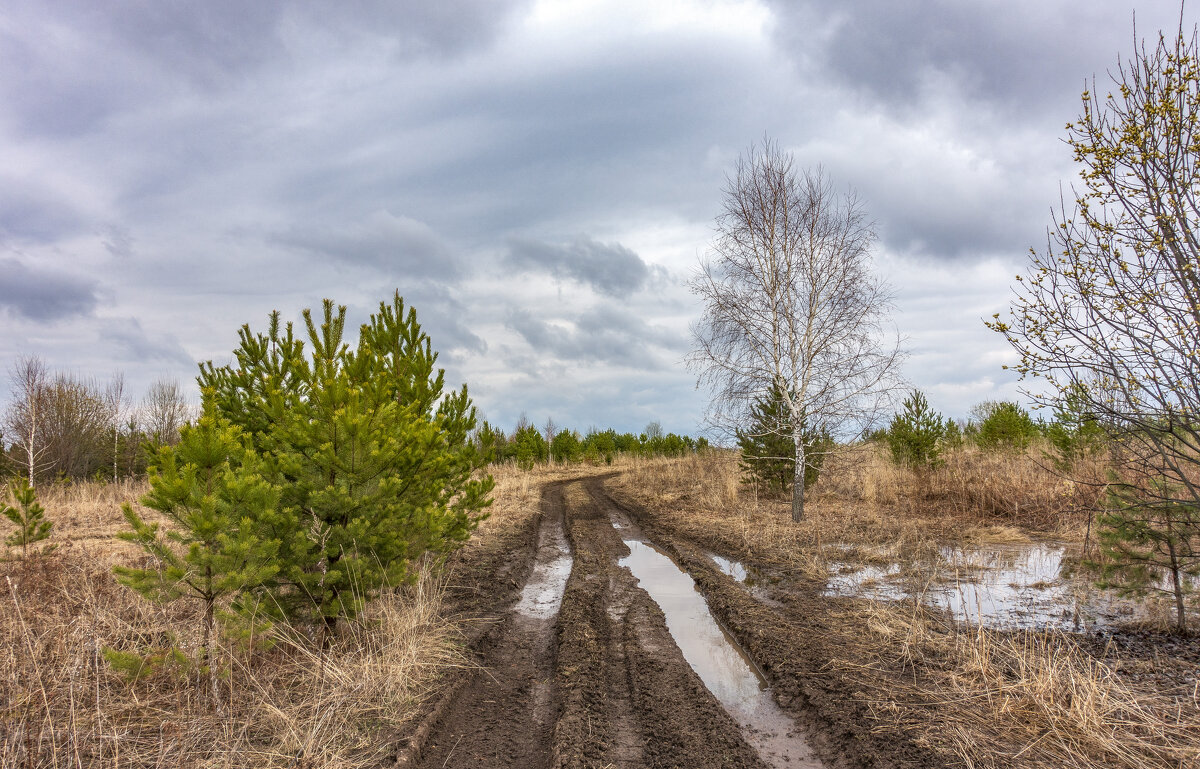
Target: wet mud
(791, 632)
(722, 665)
(505, 714)
(581, 665)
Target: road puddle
(543, 593)
(730, 567)
(718, 659)
(1009, 586)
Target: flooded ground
(543, 592)
(716, 657)
(1012, 586)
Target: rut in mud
(505, 715)
(591, 675)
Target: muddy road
(598, 648)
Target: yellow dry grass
(990, 698)
(281, 700)
(1027, 698)
(286, 705)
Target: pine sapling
(916, 435)
(221, 546)
(28, 515)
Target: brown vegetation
(983, 697)
(282, 701)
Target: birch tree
(1109, 312)
(23, 419)
(791, 304)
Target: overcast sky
(539, 179)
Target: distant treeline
(59, 426)
(528, 445)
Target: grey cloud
(77, 63)
(128, 336)
(609, 268)
(117, 241)
(621, 403)
(1023, 56)
(420, 28)
(602, 335)
(42, 295)
(396, 244)
(30, 212)
(105, 58)
(448, 333)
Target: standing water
(543, 593)
(716, 657)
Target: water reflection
(1015, 586)
(543, 593)
(717, 658)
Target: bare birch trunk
(798, 479)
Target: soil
(603, 684)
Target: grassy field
(995, 697)
(279, 700)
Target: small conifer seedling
(28, 515)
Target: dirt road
(587, 670)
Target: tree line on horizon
(528, 445)
(60, 426)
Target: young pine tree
(211, 488)
(1005, 426)
(1075, 433)
(28, 516)
(529, 447)
(768, 450)
(374, 460)
(1150, 540)
(916, 434)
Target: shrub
(28, 516)
(1075, 433)
(373, 459)
(915, 435)
(768, 451)
(1007, 427)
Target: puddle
(850, 580)
(717, 658)
(1012, 586)
(735, 569)
(543, 593)
(748, 576)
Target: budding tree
(1109, 314)
(791, 306)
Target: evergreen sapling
(210, 487)
(27, 515)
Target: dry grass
(1026, 698)
(280, 700)
(863, 498)
(991, 698)
(287, 705)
